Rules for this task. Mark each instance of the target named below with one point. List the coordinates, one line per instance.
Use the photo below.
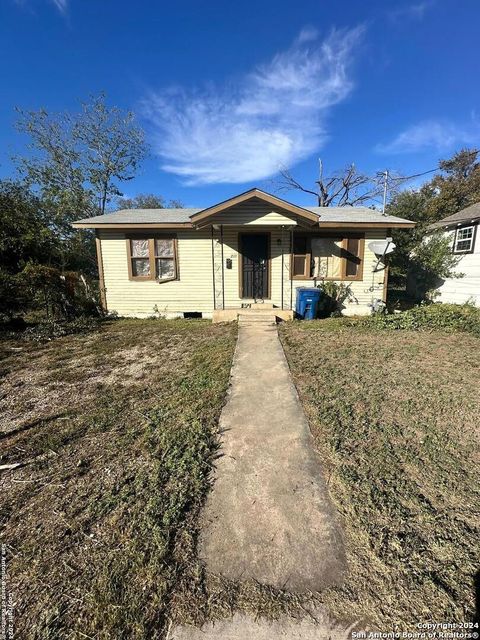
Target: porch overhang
(296, 214)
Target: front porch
(253, 312)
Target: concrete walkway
(269, 517)
(244, 627)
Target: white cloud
(274, 117)
(432, 134)
(62, 5)
(415, 11)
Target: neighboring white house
(249, 250)
(461, 229)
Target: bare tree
(342, 188)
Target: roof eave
(132, 225)
(367, 225)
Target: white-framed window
(464, 240)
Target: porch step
(256, 320)
(231, 314)
(254, 306)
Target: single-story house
(461, 229)
(254, 248)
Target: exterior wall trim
(101, 278)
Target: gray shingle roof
(353, 214)
(132, 216)
(465, 215)
(178, 216)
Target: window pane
(139, 248)
(299, 244)
(464, 234)
(299, 265)
(164, 247)
(464, 239)
(327, 257)
(464, 245)
(140, 267)
(165, 268)
(353, 260)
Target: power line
(424, 173)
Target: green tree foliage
(24, 237)
(78, 160)
(148, 201)
(74, 168)
(456, 186)
(31, 249)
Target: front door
(254, 248)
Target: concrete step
(258, 305)
(256, 318)
(257, 311)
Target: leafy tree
(78, 160)
(25, 232)
(148, 201)
(24, 237)
(454, 188)
(30, 243)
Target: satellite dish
(382, 247)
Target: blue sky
(228, 92)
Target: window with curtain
(152, 258)
(327, 257)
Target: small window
(301, 257)
(165, 258)
(464, 240)
(140, 257)
(328, 257)
(352, 258)
(152, 258)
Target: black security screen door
(255, 260)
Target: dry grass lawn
(116, 433)
(396, 419)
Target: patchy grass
(395, 418)
(116, 431)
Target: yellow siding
(194, 290)
(366, 290)
(253, 212)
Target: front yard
(116, 432)
(395, 418)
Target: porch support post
(283, 263)
(213, 269)
(223, 269)
(291, 269)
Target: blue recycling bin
(307, 302)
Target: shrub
(334, 296)
(61, 295)
(446, 317)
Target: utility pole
(385, 185)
